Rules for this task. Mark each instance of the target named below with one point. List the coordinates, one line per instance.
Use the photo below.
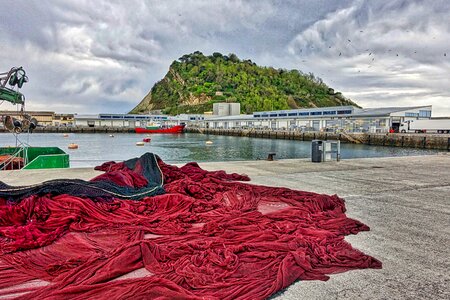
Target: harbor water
(93, 149)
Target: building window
(332, 112)
(303, 113)
(409, 114)
(344, 112)
(264, 116)
(282, 115)
(316, 113)
(316, 125)
(292, 114)
(425, 113)
(273, 115)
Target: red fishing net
(210, 236)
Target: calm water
(96, 148)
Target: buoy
(73, 146)
(140, 144)
(146, 140)
(65, 135)
(208, 142)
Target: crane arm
(15, 77)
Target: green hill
(195, 81)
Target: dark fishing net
(133, 179)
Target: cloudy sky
(104, 56)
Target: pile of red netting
(209, 236)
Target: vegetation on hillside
(195, 81)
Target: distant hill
(195, 81)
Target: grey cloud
(106, 55)
(394, 49)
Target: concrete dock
(404, 200)
(438, 141)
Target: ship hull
(173, 129)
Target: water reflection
(96, 148)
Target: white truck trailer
(426, 126)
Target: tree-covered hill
(195, 81)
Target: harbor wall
(411, 140)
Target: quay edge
(410, 140)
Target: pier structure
(324, 119)
(404, 201)
(410, 140)
(330, 119)
(344, 119)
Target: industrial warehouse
(226, 116)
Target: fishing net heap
(164, 232)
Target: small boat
(140, 143)
(25, 157)
(146, 140)
(160, 129)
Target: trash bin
(316, 150)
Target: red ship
(155, 129)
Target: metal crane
(15, 78)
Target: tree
(233, 58)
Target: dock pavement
(404, 200)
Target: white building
(348, 118)
(337, 118)
(133, 121)
(226, 109)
